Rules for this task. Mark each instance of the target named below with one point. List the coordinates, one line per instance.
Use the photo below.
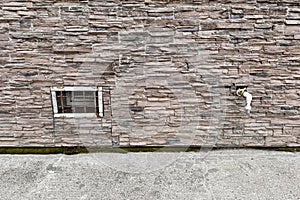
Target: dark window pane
(90, 101)
(89, 93)
(68, 110)
(59, 109)
(90, 110)
(58, 100)
(77, 101)
(78, 93)
(63, 100)
(96, 99)
(68, 103)
(79, 109)
(58, 94)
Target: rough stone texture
(169, 71)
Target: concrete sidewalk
(221, 174)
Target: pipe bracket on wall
(243, 92)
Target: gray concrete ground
(222, 174)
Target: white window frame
(76, 88)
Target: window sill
(75, 115)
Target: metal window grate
(77, 101)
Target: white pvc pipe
(248, 97)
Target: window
(77, 101)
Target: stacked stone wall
(169, 71)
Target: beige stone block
(227, 25)
(14, 8)
(282, 141)
(293, 22)
(292, 30)
(253, 16)
(27, 13)
(137, 143)
(297, 37)
(158, 141)
(292, 102)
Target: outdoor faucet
(243, 92)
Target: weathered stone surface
(169, 71)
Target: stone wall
(169, 71)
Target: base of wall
(79, 150)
